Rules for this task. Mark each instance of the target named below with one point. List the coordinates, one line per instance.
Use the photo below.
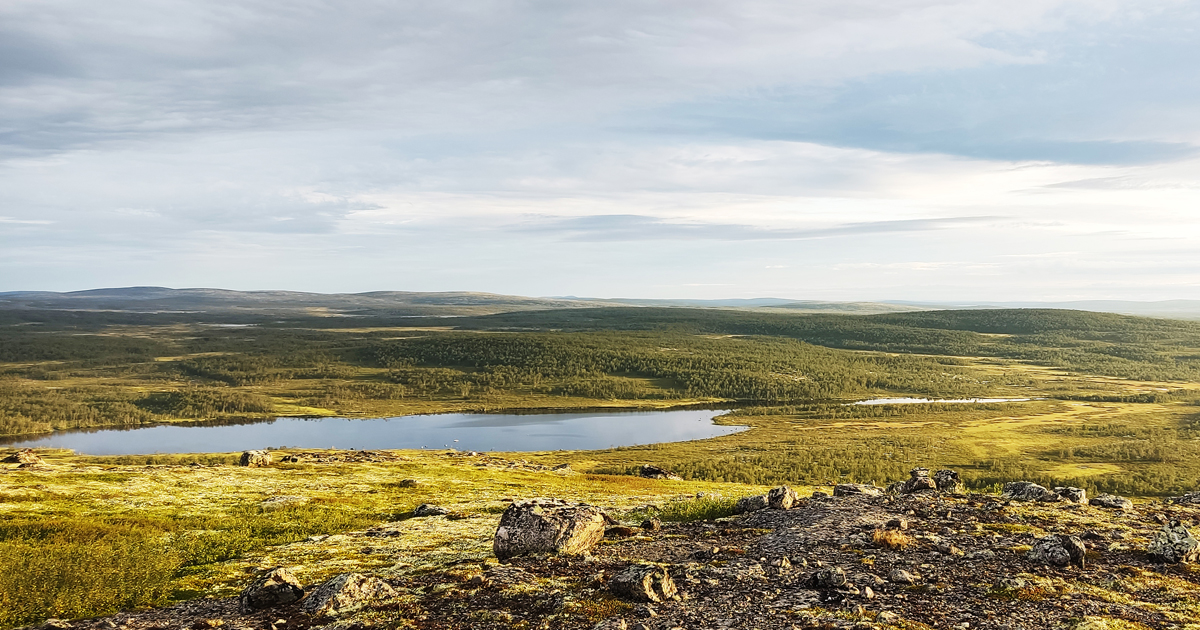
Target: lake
(468, 432)
(915, 401)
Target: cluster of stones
(920, 481)
(342, 594)
(553, 526)
(1029, 491)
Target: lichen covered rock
(654, 472)
(832, 577)
(274, 588)
(255, 459)
(345, 593)
(947, 481)
(428, 509)
(25, 458)
(751, 504)
(1058, 550)
(918, 481)
(1174, 543)
(1028, 491)
(1072, 494)
(1112, 502)
(644, 583)
(782, 498)
(548, 526)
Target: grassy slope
(211, 527)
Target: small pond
(914, 401)
(468, 432)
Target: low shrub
(72, 569)
(703, 508)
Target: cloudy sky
(812, 149)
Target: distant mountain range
(462, 303)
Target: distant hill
(375, 303)
(466, 303)
(1174, 309)
(770, 304)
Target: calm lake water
(914, 401)
(467, 432)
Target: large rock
(947, 481)
(900, 576)
(751, 504)
(654, 472)
(1174, 543)
(833, 577)
(856, 490)
(275, 588)
(1112, 502)
(1028, 491)
(1072, 494)
(255, 459)
(918, 480)
(782, 498)
(345, 593)
(429, 509)
(548, 526)
(644, 583)
(25, 458)
(1191, 498)
(1058, 550)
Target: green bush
(682, 510)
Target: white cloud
(853, 150)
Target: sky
(917, 150)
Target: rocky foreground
(923, 554)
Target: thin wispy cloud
(617, 227)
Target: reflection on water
(475, 432)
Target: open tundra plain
(1111, 409)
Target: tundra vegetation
(1114, 410)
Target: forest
(70, 370)
(1111, 393)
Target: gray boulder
(548, 526)
(900, 576)
(947, 481)
(345, 593)
(429, 509)
(1074, 495)
(644, 583)
(1058, 550)
(751, 504)
(918, 481)
(26, 458)
(1191, 498)
(1174, 543)
(256, 459)
(782, 498)
(1112, 502)
(654, 472)
(274, 588)
(833, 577)
(1028, 491)
(856, 490)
